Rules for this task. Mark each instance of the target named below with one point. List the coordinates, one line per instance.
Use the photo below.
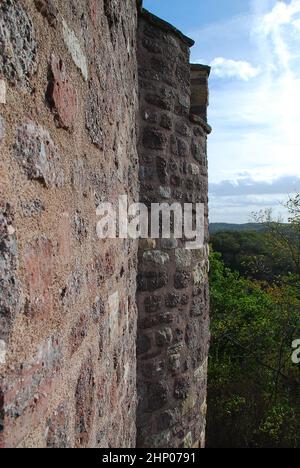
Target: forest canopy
(253, 395)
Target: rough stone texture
(2, 92)
(84, 399)
(36, 152)
(38, 259)
(11, 294)
(67, 366)
(18, 58)
(75, 49)
(69, 332)
(172, 296)
(58, 428)
(48, 10)
(62, 95)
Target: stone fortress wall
(95, 103)
(173, 294)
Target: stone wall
(173, 302)
(68, 93)
(73, 133)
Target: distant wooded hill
(220, 227)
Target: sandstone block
(156, 257)
(62, 95)
(74, 47)
(36, 152)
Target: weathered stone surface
(94, 12)
(188, 441)
(199, 303)
(172, 300)
(167, 419)
(113, 309)
(62, 95)
(111, 10)
(194, 169)
(98, 309)
(178, 147)
(143, 344)
(33, 208)
(164, 337)
(39, 261)
(79, 389)
(2, 92)
(175, 316)
(183, 258)
(160, 440)
(181, 389)
(166, 122)
(153, 139)
(27, 389)
(153, 304)
(58, 430)
(71, 292)
(150, 117)
(151, 281)
(162, 170)
(80, 227)
(2, 128)
(200, 273)
(64, 239)
(84, 398)
(36, 152)
(165, 192)
(18, 58)
(198, 152)
(174, 362)
(3, 351)
(182, 129)
(78, 175)
(94, 116)
(160, 100)
(11, 295)
(48, 10)
(152, 46)
(78, 333)
(182, 279)
(156, 257)
(146, 173)
(158, 396)
(74, 47)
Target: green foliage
(256, 255)
(253, 384)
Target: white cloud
(276, 26)
(296, 23)
(228, 68)
(282, 14)
(256, 119)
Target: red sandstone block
(62, 95)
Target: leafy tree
(254, 398)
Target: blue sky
(253, 48)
